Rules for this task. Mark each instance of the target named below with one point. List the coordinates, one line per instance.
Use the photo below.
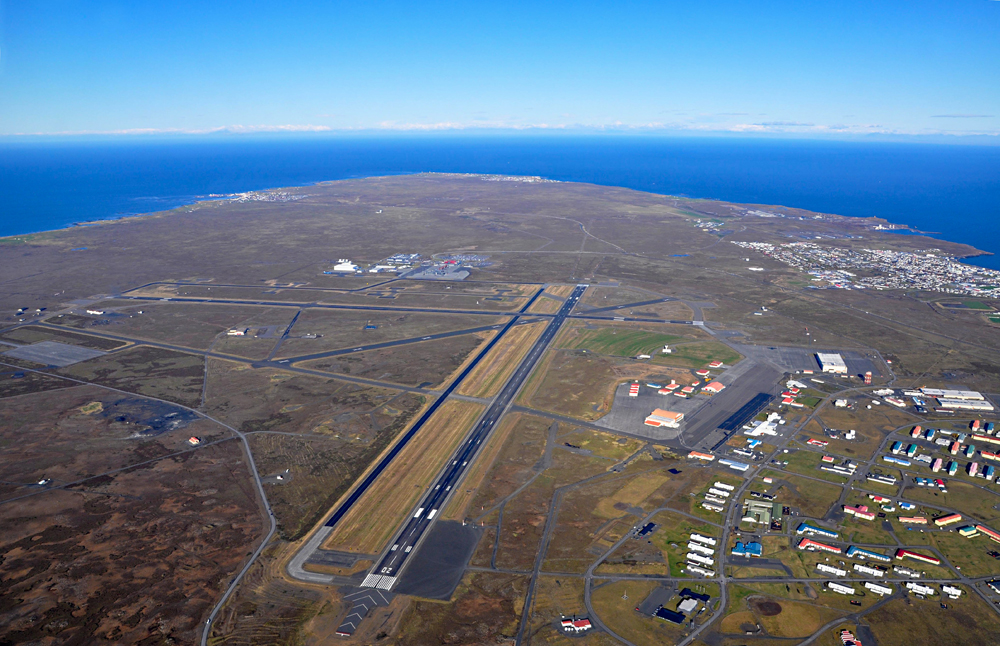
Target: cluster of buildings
(266, 196)
(395, 263)
(689, 603)
(887, 269)
(701, 555)
(760, 511)
(717, 496)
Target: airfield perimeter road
(385, 574)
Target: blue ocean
(953, 190)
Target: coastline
(896, 228)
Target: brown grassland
(378, 513)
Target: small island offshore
(464, 409)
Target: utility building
(832, 363)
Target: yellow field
(381, 510)
(563, 291)
(492, 373)
(458, 506)
(632, 494)
(545, 306)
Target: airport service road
(386, 572)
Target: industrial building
(881, 590)
(811, 530)
(832, 363)
(913, 520)
(697, 455)
(811, 545)
(947, 519)
(713, 388)
(855, 552)
(344, 265)
(840, 588)
(951, 591)
(871, 571)
(968, 395)
(881, 479)
(733, 464)
(994, 536)
(860, 511)
(901, 554)
(917, 588)
(755, 511)
(964, 404)
(829, 569)
(660, 417)
(905, 571)
(750, 550)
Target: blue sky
(839, 69)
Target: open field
(149, 371)
(573, 384)
(516, 447)
(662, 552)
(698, 355)
(459, 505)
(327, 431)
(525, 514)
(272, 400)
(431, 363)
(545, 305)
(605, 445)
(806, 462)
(618, 341)
(489, 376)
(77, 433)
(378, 513)
(809, 497)
(140, 553)
(340, 329)
(554, 598)
(969, 500)
(871, 425)
(692, 495)
(620, 615)
(15, 382)
(486, 608)
(192, 325)
(587, 514)
(35, 334)
(967, 622)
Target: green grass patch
(620, 342)
(698, 355)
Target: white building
(951, 591)
(832, 363)
(881, 590)
(829, 569)
(703, 539)
(345, 265)
(917, 588)
(840, 587)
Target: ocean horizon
(950, 191)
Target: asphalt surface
(390, 344)
(384, 462)
(53, 353)
(384, 575)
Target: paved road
(390, 344)
(385, 574)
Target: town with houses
(838, 267)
